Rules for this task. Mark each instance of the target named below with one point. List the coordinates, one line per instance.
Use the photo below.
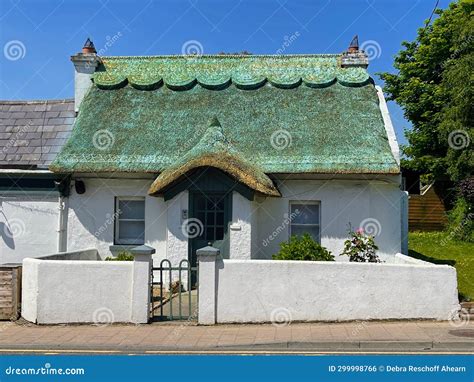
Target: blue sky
(37, 37)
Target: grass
(440, 248)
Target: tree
(434, 86)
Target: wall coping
(54, 256)
(79, 262)
(208, 251)
(416, 263)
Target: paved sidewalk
(393, 336)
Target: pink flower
(360, 231)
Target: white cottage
(238, 150)
(32, 197)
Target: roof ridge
(35, 101)
(184, 56)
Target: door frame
(227, 195)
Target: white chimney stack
(85, 64)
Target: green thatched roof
(213, 72)
(278, 114)
(215, 150)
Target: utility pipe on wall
(63, 206)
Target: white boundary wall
(86, 291)
(266, 290)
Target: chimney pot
(89, 47)
(354, 57)
(354, 45)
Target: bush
(461, 221)
(303, 248)
(122, 256)
(360, 247)
(461, 217)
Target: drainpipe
(63, 206)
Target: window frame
(307, 202)
(117, 240)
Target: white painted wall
(28, 227)
(82, 291)
(342, 202)
(327, 291)
(255, 229)
(90, 219)
(240, 230)
(177, 245)
(176, 240)
(91, 223)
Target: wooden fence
(10, 291)
(426, 212)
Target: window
(210, 211)
(129, 220)
(305, 218)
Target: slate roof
(33, 132)
(281, 114)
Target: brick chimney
(85, 64)
(353, 56)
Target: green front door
(213, 213)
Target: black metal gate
(174, 295)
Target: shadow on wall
(7, 235)
(429, 259)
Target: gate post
(207, 285)
(142, 265)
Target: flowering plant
(360, 247)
